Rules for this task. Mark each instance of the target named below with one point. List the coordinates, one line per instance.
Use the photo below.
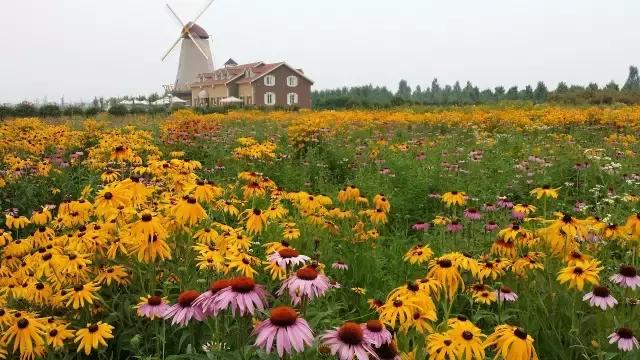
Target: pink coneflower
(347, 342)
(243, 295)
(206, 300)
(490, 226)
(153, 308)
(339, 265)
(518, 215)
(625, 339)
(421, 156)
(335, 285)
(504, 203)
(627, 277)
(601, 297)
(307, 282)
(290, 332)
(421, 226)
(183, 311)
(375, 333)
(454, 226)
(288, 257)
(506, 294)
(434, 195)
(472, 214)
(489, 207)
(579, 206)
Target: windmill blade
(171, 48)
(176, 15)
(203, 10)
(198, 46)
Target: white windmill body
(195, 54)
(192, 62)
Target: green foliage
(118, 110)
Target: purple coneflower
(287, 257)
(339, 265)
(472, 214)
(206, 300)
(627, 277)
(307, 282)
(506, 294)
(625, 339)
(579, 206)
(243, 295)
(489, 207)
(184, 310)
(421, 226)
(518, 215)
(153, 308)
(348, 342)
(289, 331)
(504, 203)
(490, 226)
(376, 333)
(601, 297)
(434, 195)
(454, 226)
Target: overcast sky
(82, 48)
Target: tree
(153, 97)
(404, 90)
(512, 93)
(633, 80)
(118, 110)
(51, 110)
(540, 93)
(24, 109)
(612, 86)
(91, 111)
(417, 94)
(5, 112)
(562, 87)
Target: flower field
(449, 233)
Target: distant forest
(370, 96)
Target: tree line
(369, 96)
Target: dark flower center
(257, 212)
(219, 285)
(243, 285)
(78, 288)
(23, 323)
(350, 333)
(375, 325)
(413, 287)
(39, 286)
(505, 290)
(520, 333)
(567, 219)
(288, 253)
(307, 273)
(53, 332)
(146, 217)
(628, 271)
(448, 342)
(578, 270)
(601, 291)
(387, 351)
(625, 333)
(467, 335)
(283, 316)
(108, 195)
(93, 328)
(191, 200)
(444, 263)
(187, 297)
(154, 300)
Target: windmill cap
(196, 31)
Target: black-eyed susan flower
(512, 343)
(545, 191)
(446, 272)
(81, 294)
(454, 198)
(256, 220)
(57, 334)
(93, 336)
(580, 273)
(440, 346)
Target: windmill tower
(195, 54)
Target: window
(292, 81)
(292, 99)
(270, 80)
(270, 98)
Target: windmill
(195, 54)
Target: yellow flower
(446, 272)
(26, 332)
(79, 294)
(440, 346)
(456, 198)
(512, 343)
(577, 274)
(418, 254)
(93, 336)
(256, 220)
(545, 191)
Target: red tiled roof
(259, 71)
